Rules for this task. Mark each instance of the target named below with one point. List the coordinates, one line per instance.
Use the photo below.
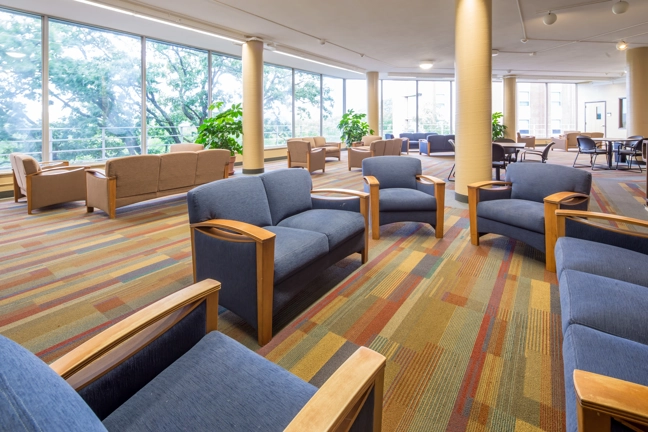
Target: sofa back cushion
(177, 170)
(415, 136)
(174, 148)
(319, 141)
(33, 397)
(136, 175)
(393, 171)
(288, 192)
(440, 142)
(534, 182)
(368, 139)
(378, 147)
(210, 165)
(241, 199)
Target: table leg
(610, 152)
(497, 173)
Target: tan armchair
(529, 141)
(173, 148)
(376, 148)
(332, 149)
(568, 139)
(301, 154)
(366, 141)
(46, 183)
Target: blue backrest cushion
(534, 182)
(288, 191)
(33, 397)
(389, 136)
(241, 199)
(415, 136)
(392, 171)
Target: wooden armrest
(336, 404)
(55, 163)
(619, 399)
(481, 185)
(429, 179)
(605, 216)
(99, 173)
(358, 194)
(562, 197)
(242, 228)
(371, 181)
(101, 344)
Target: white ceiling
(393, 36)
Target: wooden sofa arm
(60, 168)
(564, 214)
(473, 200)
(337, 403)
(374, 197)
(108, 349)
(99, 173)
(439, 195)
(600, 398)
(551, 204)
(52, 164)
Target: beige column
(253, 107)
(473, 70)
(373, 104)
(510, 106)
(637, 91)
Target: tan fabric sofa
(46, 183)
(376, 148)
(131, 179)
(301, 154)
(568, 139)
(333, 149)
(174, 148)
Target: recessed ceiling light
(620, 7)
(622, 45)
(494, 52)
(426, 64)
(550, 18)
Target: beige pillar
(473, 75)
(637, 91)
(253, 107)
(373, 104)
(510, 106)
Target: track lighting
(620, 7)
(550, 18)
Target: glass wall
(497, 96)
(434, 107)
(307, 104)
(20, 93)
(532, 109)
(176, 94)
(562, 108)
(332, 107)
(277, 105)
(398, 107)
(356, 95)
(227, 79)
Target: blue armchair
(266, 237)
(166, 368)
(522, 207)
(399, 192)
(436, 144)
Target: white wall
(610, 93)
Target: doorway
(595, 117)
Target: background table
(609, 144)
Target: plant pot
(231, 164)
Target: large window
(20, 92)
(227, 79)
(434, 107)
(399, 107)
(94, 92)
(277, 105)
(497, 93)
(562, 108)
(176, 94)
(333, 107)
(307, 104)
(532, 109)
(356, 95)
(623, 113)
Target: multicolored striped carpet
(471, 334)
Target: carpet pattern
(472, 334)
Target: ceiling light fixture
(426, 64)
(620, 7)
(16, 55)
(525, 40)
(550, 18)
(622, 45)
(322, 41)
(317, 62)
(169, 23)
(271, 46)
(494, 52)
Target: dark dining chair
(544, 154)
(499, 159)
(587, 146)
(510, 152)
(630, 150)
(451, 174)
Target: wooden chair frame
(242, 232)
(333, 408)
(551, 204)
(374, 196)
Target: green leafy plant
(353, 127)
(223, 130)
(498, 127)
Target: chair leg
(450, 175)
(575, 159)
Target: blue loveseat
(266, 237)
(436, 144)
(604, 302)
(413, 138)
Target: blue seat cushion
(33, 397)
(623, 313)
(594, 351)
(295, 249)
(217, 385)
(602, 260)
(289, 192)
(523, 214)
(397, 199)
(337, 225)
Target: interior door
(595, 117)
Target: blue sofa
(436, 144)
(413, 137)
(604, 298)
(266, 237)
(165, 368)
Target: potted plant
(223, 131)
(498, 127)
(353, 127)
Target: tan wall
(610, 93)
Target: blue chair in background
(399, 192)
